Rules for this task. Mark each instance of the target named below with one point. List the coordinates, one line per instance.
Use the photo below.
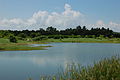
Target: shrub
(22, 35)
(39, 38)
(12, 39)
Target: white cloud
(67, 7)
(66, 19)
(112, 25)
(69, 18)
(100, 23)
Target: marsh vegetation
(107, 69)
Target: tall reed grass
(107, 69)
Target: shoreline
(23, 45)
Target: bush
(12, 39)
(39, 38)
(58, 37)
(20, 38)
(22, 35)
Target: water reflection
(18, 65)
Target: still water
(21, 65)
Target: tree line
(52, 32)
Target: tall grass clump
(107, 69)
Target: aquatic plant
(107, 69)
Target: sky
(62, 14)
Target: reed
(107, 69)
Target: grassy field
(5, 45)
(19, 47)
(84, 40)
(107, 69)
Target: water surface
(20, 65)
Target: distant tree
(78, 27)
(82, 31)
(39, 38)
(12, 39)
(22, 35)
(78, 30)
(84, 28)
(51, 31)
(32, 35)
(69, 31)
(41, 31)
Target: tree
(32, 35)
(78, 27)
(41, 31)
(22, 35)
(51, 31)
(84, 28)
(12, 39)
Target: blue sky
(101, 11)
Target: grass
(20, 47)
(2, 40)
(107, 69)
(5, 45)
(85, 40)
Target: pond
(21, 65)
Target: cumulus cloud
(100, 23)
(66, 19)
(69, 18)
(112, 25)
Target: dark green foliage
(39, 38)
(1, 48)
(32, 35)
(22, 35)
(51, 31)
(82, 31)
(56, 36)
(12, 39)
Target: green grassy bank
(6, 45)
(107, 69)
(85, 40)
